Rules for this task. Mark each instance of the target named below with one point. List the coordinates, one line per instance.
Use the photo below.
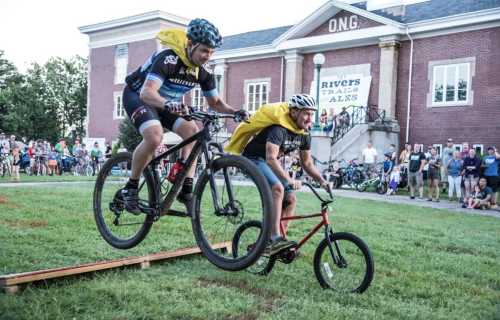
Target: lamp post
(319, 60)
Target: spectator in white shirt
(369, 157)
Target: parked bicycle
(379, 182)
(342, 261)
(220, 205)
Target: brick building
(449, 51)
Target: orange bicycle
(342, 260)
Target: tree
(45, 102)
(66, 84)
(128, 136)
(10, 79)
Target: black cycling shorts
(142, 116)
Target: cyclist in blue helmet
(153, 95)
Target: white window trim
(118, 94)
(471, 68)
(262, 81)
(120, 80)
(201, 97)
(440, 147)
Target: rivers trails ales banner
(342, 91)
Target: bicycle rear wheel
(240, 194)
(243, 241)
(351, 270)
(120, 228)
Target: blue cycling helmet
(202, 31)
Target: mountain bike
(220, 205)
(342, 260)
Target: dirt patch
(268, 300)
(36, 223)
(3, 200)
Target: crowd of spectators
(470, 178)
(40, 157)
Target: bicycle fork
(333, 248)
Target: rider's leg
(186, 129)
(277, 191)
(143, 153)
(289, 210)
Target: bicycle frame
(325, 222)
(202, 139)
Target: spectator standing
(470, 172)
(490, 164)
(415, 174)
(344, 119)
(454, 169)
(52, 161)
(369, 157)
(109, 151)
(323, 119)
(96, 156)
(434, 175)
(404, 157)
(387, 165)
(16, 162)
(447, 156)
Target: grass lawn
(55, 178)
(429, 264)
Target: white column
(389, 51)
(223, 81)
(293, 74)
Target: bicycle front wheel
(120, 228)
(348, 267)
(227, 195)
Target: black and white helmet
(302, 101)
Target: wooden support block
(10, 282)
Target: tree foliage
(129, 137)
(47, 101)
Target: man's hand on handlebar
(176, 107)
(295, 184)
(241, 115)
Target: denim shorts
(271, 177)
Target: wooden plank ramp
(10, 282)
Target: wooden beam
(11, 280)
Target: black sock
(187, 187)
(132, 184)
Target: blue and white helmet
(302, 101)
(202, 31)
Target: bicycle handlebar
(329, 191)
(210, 115)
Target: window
(479, 148)
(439, 149)
(197, 99)
(450, 82)
(257, 94)
(457, 147)
(121, 61)
(118, 111)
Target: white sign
(342, 91)
(343, 24)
